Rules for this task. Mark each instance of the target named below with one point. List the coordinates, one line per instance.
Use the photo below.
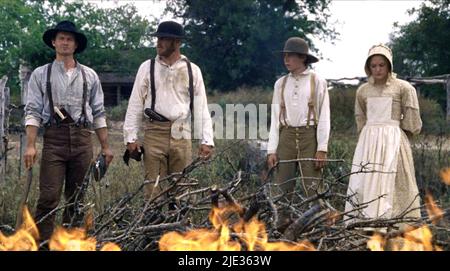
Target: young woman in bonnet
(387, 113)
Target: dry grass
(430, 154)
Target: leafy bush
(117, 113)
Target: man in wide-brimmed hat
(167, 91)
(300, 124)
(66, 98)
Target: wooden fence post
(7, 111)
(3, 132)
(448, 100)
(24, 76)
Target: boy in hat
(66, 98)
(167, 91)
(300, 124)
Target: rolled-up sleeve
(135, 110)
(97, 103)
(35, 102)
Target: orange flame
(376, 243)
(417, 240)
(110, 247)
(23, 239)
(445, 175)
(71, 240)
(76, 240)
(414, 239)
(252, 234)
(434, 212)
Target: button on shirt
(67, 92)
(296, 96)
(172, 99)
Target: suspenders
(311, 102)
(282, 117)
(190, 89)
(48, 86)
(152, 83)
(83, 119)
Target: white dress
(388, 185)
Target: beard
(168, 51)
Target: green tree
(20, 30)
(421, 47)
(118, 39)
(234, 41)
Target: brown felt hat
(299, 46)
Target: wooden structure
(441, 79)
(24, 76)
(444, 80)
(116, 87)
(4, 125)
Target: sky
(360, 24)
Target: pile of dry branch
(183, 205)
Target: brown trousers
(164, 155)
(296, 143)
(66, 156)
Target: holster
(153, 115)
(65, 118)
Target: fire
(376, 243)
(445, 175)
(76, 240)
(24, 239)
(414, 239)
(71, 240)
(242, 235)
(110, 247)
(419, 239)
(434, 212)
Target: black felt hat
(169, 29)
(65, 26)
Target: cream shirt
(172, 99)
(296, 95)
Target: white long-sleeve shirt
(296, 96)
(172, 99)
